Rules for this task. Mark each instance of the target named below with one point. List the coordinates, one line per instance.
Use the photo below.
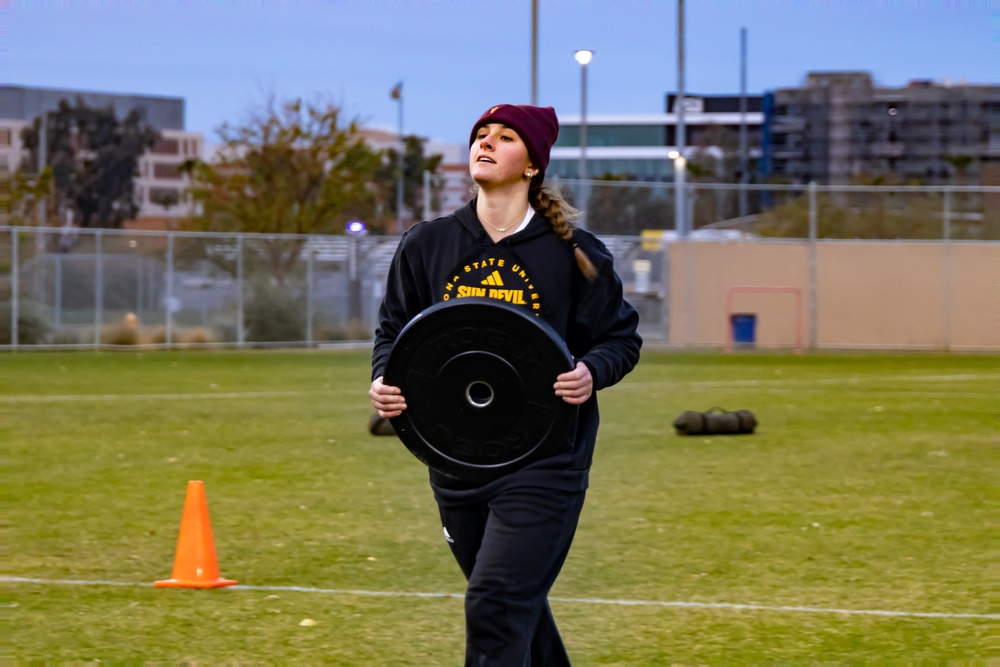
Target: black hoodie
(452, 257)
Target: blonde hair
(551, 205)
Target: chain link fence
(786, 211)
(78, 288)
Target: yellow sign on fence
(652, 239)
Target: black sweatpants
(511, 548)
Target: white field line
(80, 398)
(41, 398)
(798, 382)
(875, 393)
(771, 385)
(595, 601)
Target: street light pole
(43, 154)
(744, 162)
(355, 230)
(680, 219)
(397, 94)
(534, 52)
(583, 57)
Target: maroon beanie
(538, 128)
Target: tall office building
(840, 128)
(637, 146)
(159, 185)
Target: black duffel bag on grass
(380, 425)
(715, 422)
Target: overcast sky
(456, 58)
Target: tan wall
(868, 294)
(975, 295)
(714, 268)
(880, 294)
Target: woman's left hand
(576, 386)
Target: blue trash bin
(744, 328)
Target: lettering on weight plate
(447, 342)
(463, 449)
(501, 450)
(501, 340)
(495, 338)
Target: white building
(456, 183)
(452, 174)
(637, 146)
(159, 186)
(11, 146)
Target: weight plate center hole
(479, 394)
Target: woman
(511, 536)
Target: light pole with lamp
(583, 57)
(355, 230)
(681, 223)
(397, 94)
(680, 181)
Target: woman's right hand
(387, 399)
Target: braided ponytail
(550, 204)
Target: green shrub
(119, 334)
(349, 330)
(32, 327)
(156, 335)
(69, 336)
(272, 315)
(198, 336)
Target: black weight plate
(477, 375)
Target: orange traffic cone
(195, 565)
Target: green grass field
(866, 488)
